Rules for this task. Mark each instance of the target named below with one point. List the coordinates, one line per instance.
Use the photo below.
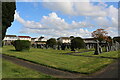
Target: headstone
(100, 49)
(97, 48)
(88, 47)
(54, 47)
(117, 46)
(112, 47)
(58, 47)
(107, 50)
(107, 47)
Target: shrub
(21, 45)
(77, 43)
(51, 42)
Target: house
(24, 38)
(9, 38)
(39, 40)
(89, 40)
(33, 40)
(64, 40)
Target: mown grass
(11, 70)
(84, 50)
(111, 54)
(52, 58)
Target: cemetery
(78, 56)
(71, 55)
(83, 56)
(53, 58)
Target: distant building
(89, 40)
(40, 40)
(68, 40)
(24, 38)
(9, 38)
(64, 40)
(33, 40)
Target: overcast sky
(64, 19)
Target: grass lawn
(11, 70)
(84, 50)
(112, 54)
(52, 58)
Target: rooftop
(89, 38)
(65, 37)
(24, 36)
(10, 36)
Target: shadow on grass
(13, 50)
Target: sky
(64, 19)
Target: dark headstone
(97, 48)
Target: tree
(71, 37)
(59, 43)
(8, 11)
(51, 42)
(101, 35)
(77, 43)
(117, 39)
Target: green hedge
(21, 45)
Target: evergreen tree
(8, 11)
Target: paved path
(108, 72)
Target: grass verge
(11, 70)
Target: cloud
(76, 8)
(53, 26)
(97, 16)
(102, 14)
(27, 24)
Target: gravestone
(112, 46)
(97, 48)
(88, 47)
(107, 47)
(58, 47)
(107, 50)
(63, 46)
(117, 45)
(100, 49)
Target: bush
(77, 43)
(51, 42)
(21, 45)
